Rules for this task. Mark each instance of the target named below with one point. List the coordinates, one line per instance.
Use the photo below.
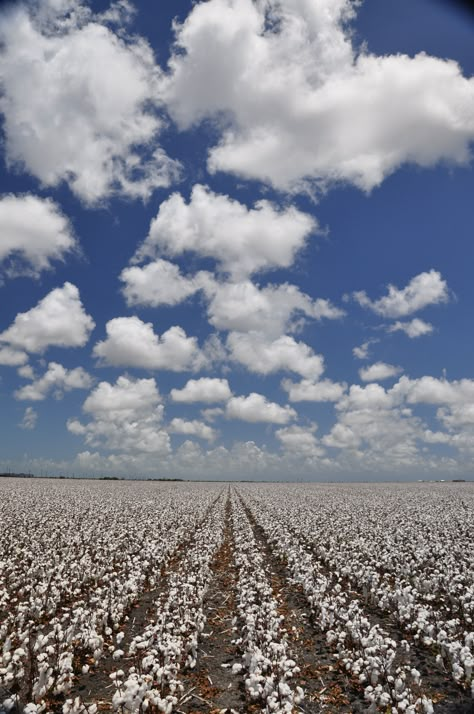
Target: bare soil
(212, 686)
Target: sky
(236, 239)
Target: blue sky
(236, 239)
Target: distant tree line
(11, 474)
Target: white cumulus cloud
(207, 389)
(412, 328)
(125, 417)
(295, 103)
(241, 306)
(379, 371)
(362, 351)
(431, 390)
(263, 356)
(10, 357)
(242, 240)
(424, 289)
(30, 417)
(272, 310)
(309, 391)
(159, 283)
(58, 320)
(33, 234)
(131, 342)
(374, 425)
(256, 408)
(57, 379)
(80, 102)
(300, 440)
(192, 428)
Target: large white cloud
(256, 408)
(272, 310)
(207, 389)
(58, 320)
(33, 233)
(57, 379)
(131, 342)
(125, 417)
(159, 283)
(431, 390)
(80, 102)
(241, 306)
(124, 399)
(294, 101)
(242, 240)
(263, 356)
(424, 289)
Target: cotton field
(209, 597)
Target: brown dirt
(212, 687)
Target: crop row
(401, 555)
(266, 658)
(72, 572)
(365, 650)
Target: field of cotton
(210, 597)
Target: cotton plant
(364, 650)
(169, 644)
(66, 593)
(266, 658)
(379, 550)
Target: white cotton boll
(30, 708)
(458, 672)
(399, 685)
(85, 669)
(119, 637)
(8, 704)
(284, 690)
(299, 696)
(118, 654)
(236, 668)
(427, 706)
(118, 700)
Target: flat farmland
(187, 598)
